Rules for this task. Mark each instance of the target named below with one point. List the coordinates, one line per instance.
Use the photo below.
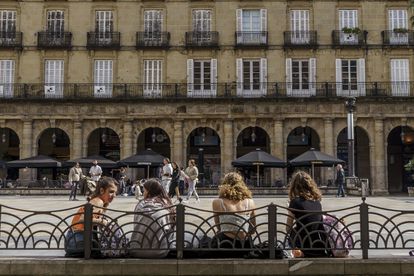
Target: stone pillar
(26, 149)
(227, 147)
(126, 139)
(277, 149)
(379, 187)
(178, 144)
(77, 142)
(329, 148)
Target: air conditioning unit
(99, 89)
(50, 89)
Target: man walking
(167, 171)
(75, 174)
(95, 171)
(340, 179)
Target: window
(6, 78)
(350, 77)
(152, 78)
(7, 25)
(400, 77)
(251, 77)
(301, 77)
(55, 22)
(348, 19)
(397, 19)
(104, 25)
(251, 26)
(201, 25)
(54, 78)
(153, 24)
(299, 25)
(103, 78)
(202, 77)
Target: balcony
(157, 40)
(103, 41)
(300, 39)
(341, 39)
(251, 39)
(11, 40)
(54, 40)
(397, 38)
(201, 39)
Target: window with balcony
(400, 77)
(54, 78)
(251, 77)
(55, 35)
(348, 24)
(202, 78)
(8, 35)
(398, 27)
(104, 35)
(201, 34)
(350, 77)
(152, 78)
(299, 26)
(103, 78)
(153, 35)
(6, 78)
(251, 27)
(301, 77)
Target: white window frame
(348, 19)
(152, 78)
(251, 35)
(7, 71)
(201, 25)
(54, 78)
(299, 26)
(252, 91)
(55, 21)
(104, 25)
(153, 25)
(103, 78)
(290, 86)
(400, 77)
(8, 25)
(398, 19)
(359, 85)
(205, 91)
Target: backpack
(338, 235)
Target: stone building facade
(209, 80)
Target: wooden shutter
(361, 76)
(6, 78)
(190, 75)
(103, 78)
(54, 78)
(312, 76)
(263, 75)
(239, 76)
(213, 69)
(338, 69)
(288, 76)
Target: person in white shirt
(167, 171)
(75, 174)
(95, 171)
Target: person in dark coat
(340, 180)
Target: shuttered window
(7, 78)
(400, 77)
(54, 74)
(301, 77)
(55, 21)
(350, 77)
(202, 79)
(103, 78)
(299, 25)
(152, 78)
(397, 19)
(7, 21)
(251, 77)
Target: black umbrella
(258, 158)
(39, 161)
(87, 162)
(143, 159)
(312, 158)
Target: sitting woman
(234, 215)
(103, 196)
(154, 221)
(304, 222)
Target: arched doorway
(249, 140)
(203, 145)
(300, 140)
(400, 150)
(9, 151)
(156, 139)
(361, 153)
(53, 142)
(104, 142)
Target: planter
(410, 191)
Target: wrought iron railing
(183, 231)
(251, 39)
(59, 40)
(299, 39)
(153, 40)
(11, 40)
(346, 39)
(201, 39)
(397, 37)
(104, 40)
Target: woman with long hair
(304, 222)
(175, 180)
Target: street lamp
(350, 105)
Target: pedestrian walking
(192, 172)
(167, 171)
(75, 175)
(95, 171)
(340, 179)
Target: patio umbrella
(143, 159)
(312, 158)
(87, 162)
(39, 161)
(258, 158)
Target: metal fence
(191, 232)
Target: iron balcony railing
(201, 39)
(50, 40)
(153, 40)
(397, 37)
(300, 39)
(103, 40)
(346, 39)
(11, 40)
(110, 91)
(251, 39)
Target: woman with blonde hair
(304, 221)
(234, 214)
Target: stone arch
(155, 138)
(9, 151)
(107, 143)
(54, 142)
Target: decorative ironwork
(398, 38)
(153, 40)
(201, 39)
(104, 40)
(300, 39)
(11, 40)
(52, 40)
(342, 39)
(251, 39)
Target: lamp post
(350, 105)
